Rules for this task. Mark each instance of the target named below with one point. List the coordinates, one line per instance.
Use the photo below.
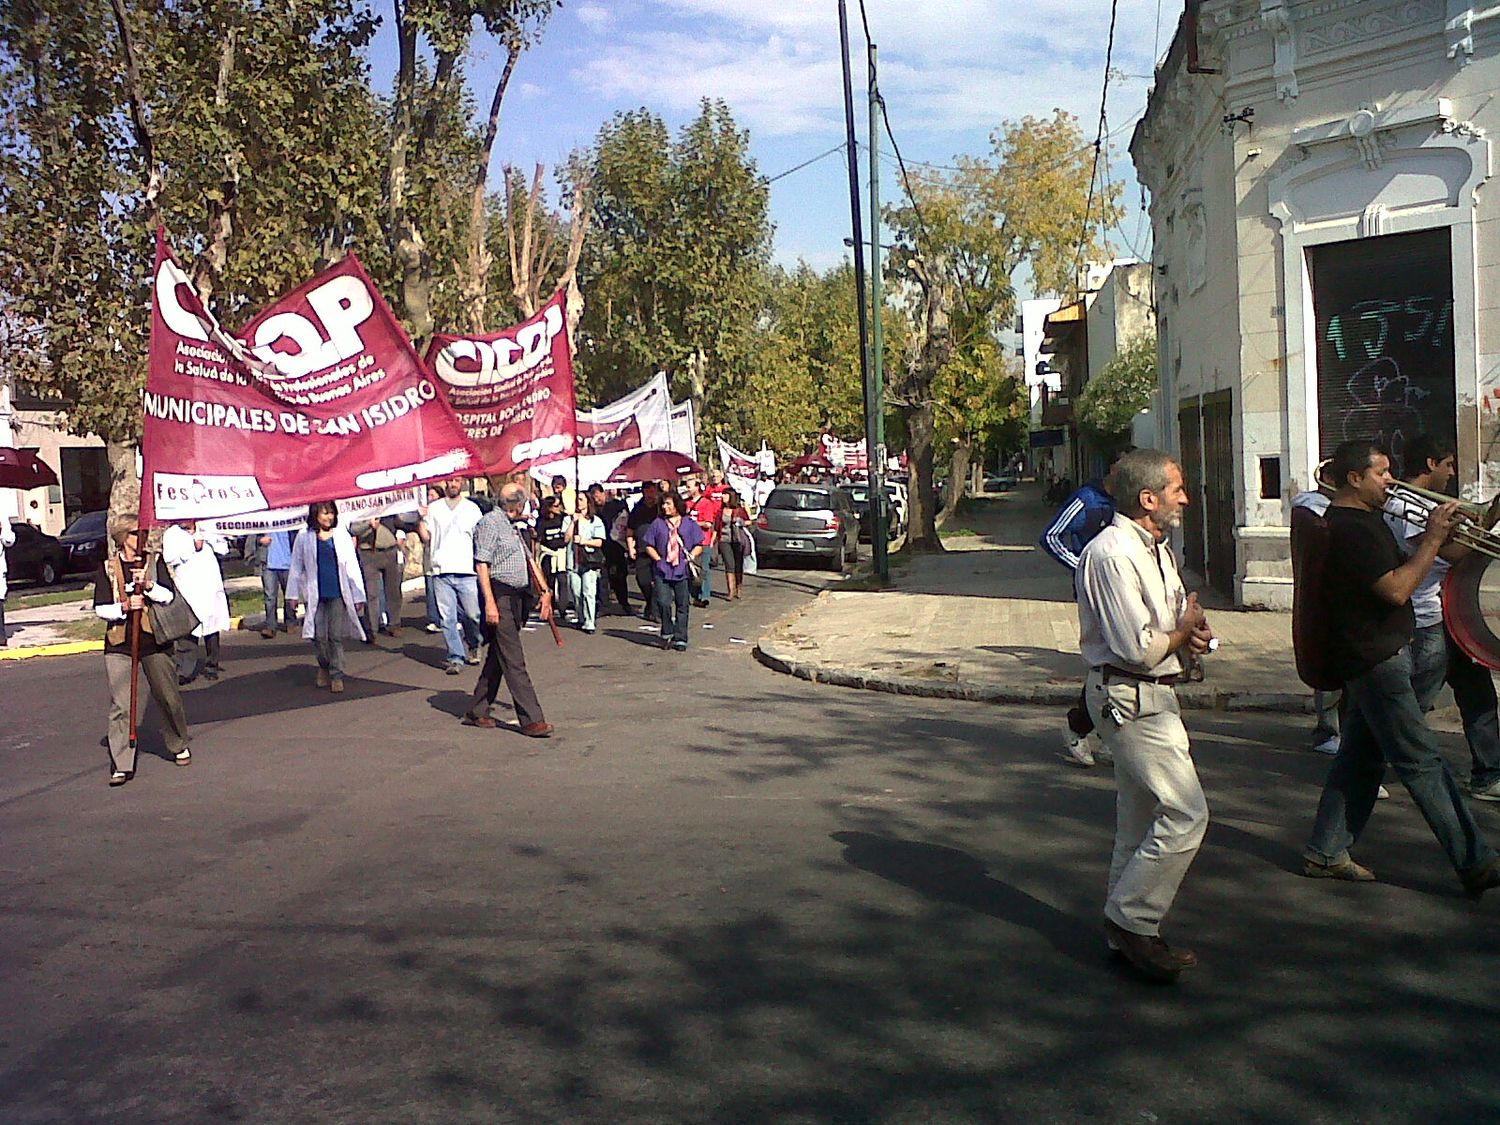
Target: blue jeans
(1326, 707)
(584, 587)
(672, 601)
(273, 585)
(1436, 658)
(1383, 723)
(458, 613)
(705, 592)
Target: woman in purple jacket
(671, 542)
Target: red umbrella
(818, 460)
(21, 468)
(655, 464)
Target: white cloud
(946, 65)
(595, 17)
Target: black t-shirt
(643, 515)
(1364, 628)
(550, 532)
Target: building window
(1384, 314)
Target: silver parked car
(810, 521)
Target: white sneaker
(1102, 756)
(431, 628)
(1076, 750)
(1486, 793)
(1329, 745)
(1382, 794)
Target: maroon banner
(622, 436)
(322, 397)
(513, 390)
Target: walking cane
(135, 667)
(540, 582)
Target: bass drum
(1471, 608)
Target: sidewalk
(994, 620)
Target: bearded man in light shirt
(1136, 623)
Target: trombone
(1473, 529)
(1474, 521)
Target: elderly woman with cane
(123, 586)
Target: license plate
(795, 544)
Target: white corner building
(1327, 254)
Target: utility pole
(857, 223)
(875, 373)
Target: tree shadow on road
(950, 875)
(276, 691)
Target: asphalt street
(717, 895)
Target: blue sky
(951, 71)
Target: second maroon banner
(513, 390)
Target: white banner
(684, 428)
(745, 473)
(609, 434)
(375, 505)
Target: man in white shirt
(1436, 658)
(1135, 625)
(447, 531)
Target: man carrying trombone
(1436, 658)
(1368, 584)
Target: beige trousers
(159, 670)
(1160, 812)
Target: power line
(805, 163)
(1088, 206)
(905, 177)
(1039, 169)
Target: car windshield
(799, 500)
(90, 524)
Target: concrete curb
(64, 648)
(1051, 693)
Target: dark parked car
(810, 521)
(35, 555)
(86, 540)
(860, 494)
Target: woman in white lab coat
(193, 556)
(326, 575)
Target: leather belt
(1140, 677)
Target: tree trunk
(935, 350)
(475, 281)
(921, 534)
(124, 482)
(208, 271)
(958, 479)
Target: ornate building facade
(1327, 253)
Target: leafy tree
(962, 238)
(241, 126)
(1113, 398)
(674, 262)
(430, 115)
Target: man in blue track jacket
(1086, 513)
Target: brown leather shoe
(484, 722)
(537, 730)
(323, 679)
(1184, 957)
(1148, 955)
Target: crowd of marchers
(490, 564)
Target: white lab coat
(7, 537)
(199, 580)
(302, 579)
